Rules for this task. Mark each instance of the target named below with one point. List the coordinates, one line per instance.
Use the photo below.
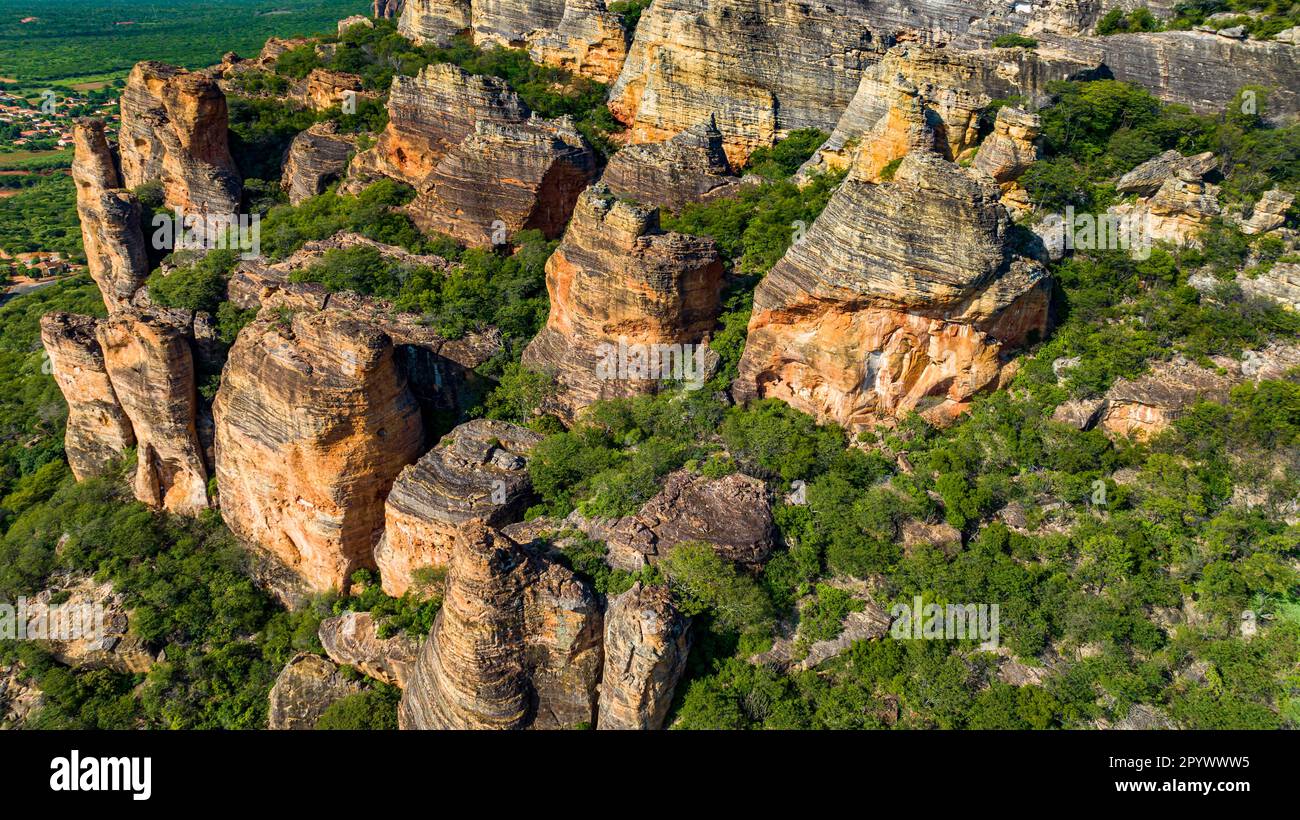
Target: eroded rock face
(1184, 206)
(616, 279)
(504, 178)
(430, 114)
(174, 129)
(690, 167)
(588, 40)
(732, 514)
(646, 643)
(324, 89)
(517, 643)
(314, 420)
(352, 639)
(148, 359)
(386, 9)
(110, 217)
(98, 430)
(1145, 406)
(763, 69)
(902, 296)
(1269, 213)
(317, 158)
(1013, 146)
(434, 22)
(1146, 179)
(304, 689)
(1281, 284)
(478, 471)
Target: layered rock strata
(317, 158)
(588, 40)
(352, 639)
(902, 296)
(314, 420)
(647, 641)
(630, 305)
(304, 689)
(690, 167)
(478, 471)
(110, 217)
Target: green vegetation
(1261, 18)
(630, 11)
(1015, 41)
(1116, 21)
(42, 217)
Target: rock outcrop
(690, 167)
(149, 361)
(504, 178)
(646, 643)
(317, 158)
(902, 296)
(110, 217)
(517, 643)
(588, 40)
(1269, 213)
(352, 639)
(314, 420)
(98, 430)
(622, 293)
(478, 471)
(1148, 178)
(304, 689)
(386, 9)
(428, 115)
(434, 22)
(731, 514)
(1280, 283)
(1008, 152)
(326, 89)
(174, 129)
(1177, 213)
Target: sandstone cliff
(98, 430)
(352, 639)
(902, 296)
(690, 167)
(478, 471)
(517, 643)
(617, 280)
(148, 358)
(317, 158)
(588, 40)
(304, 689)
(314, 420)
(174, 129)
(646, 644)
(505, 178)
(434, 22)
(110, 217)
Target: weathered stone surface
(317, 158)
(795, 651)
(763, 69)
(98, 430)
(478, 471)
(690, 167)
(1145, 406)
(1280, 283)
(646, 643)
(1150, 176)
(304, 689)
(434, 22)
(901, 296)
(1177, 213)
(174, 129)
(588, 40)
(428, 115)
(148, 360)
(1013, 146)
(517, 643)
(88, 627)
(325, 89)
(508, 22)
(1269, 213)
(352, 639)
(355, 20)
(505, 178)
(314, 420)
(110, 217)
(386, 9)
(617, 279)
(732, 514)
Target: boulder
(690, 167)
(304, 689)
(317, 158)
(647, 641)
(352, 639)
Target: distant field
(81, 40)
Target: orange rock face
(313, 423)
(110, 217)
(148, 358)
(98, 430)
(589, 40)
(324, 89)
(617, 280)
(902, 296)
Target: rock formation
(325, 89)
(478, 471)
(433, 22)
(1145, 406)
(386, 9)
(430, 114)
(148, 359)
(505, 178)
(317, 158)
(352, 639)
(314, 420)
(1177, 213)
(903, 295)
(304, 689)
(174, 129)
(731, 514)
(1013, 146)
(622, 293)
(1280, 283)
(588, 40)
(1146, 179)
(1269, 213)
(98, 430)
(646, 643)
(690, 167)
(110, 217)
(517, 643)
